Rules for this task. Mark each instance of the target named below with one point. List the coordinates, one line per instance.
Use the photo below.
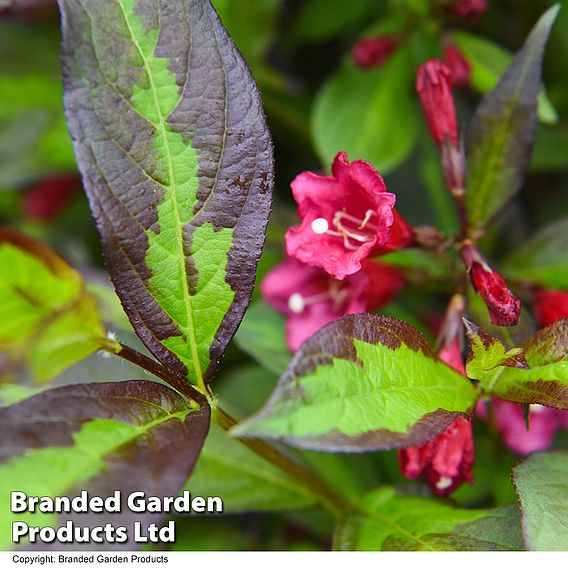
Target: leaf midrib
(172, 190)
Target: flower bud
(467, 9)
(504, 308)
(372, 52)
(50, 196)
(458, 65)
(434, 86)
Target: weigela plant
(413, 339)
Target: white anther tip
(444, 483)
(296, 303)
(320, 226)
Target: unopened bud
(504, 308)
(434, 86)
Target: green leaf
(550, 149)
(487, 356)
(47, 319)
(322, 19)
(542, 260)
(251, 25)
(176, 158)
(502, 130)
(245, 481)
(362, 383)
(34, 140)
(507, 374)
(129, 436)
(261, 336)
(387, 521)
(11, 394)
(354, 112)
(488, 62)
(541, 482)
(420, 266)
(548, 345)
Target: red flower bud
(47, 198)
(434, 87)
(446, 461)
(458, 65)
(468, 9)
(550, 306)
(504, 308)
(373, 51)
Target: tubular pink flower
(310, 298)
(345, 217)
(550, 306)
(509, 419)
(446, 461)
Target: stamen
(367, 218)
(296, 303)
(444, 483)
(320, 226)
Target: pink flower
(446, 461)
(504, 308)
(311, 298)
(550, 306)
(468, 9)
(509, 420)
(373, 51)
(345, 217)
(434, 86)
(458, 65)
(452, 356)
(50, 196)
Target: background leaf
(542, 260)
(388, 521)
(248, 483)
(362, 383)
(34, 139)
(47, 319)
(321, 19)
(541, 482)
(176, 159)
(548, 345)
(488, 62)
(130, 436)
(370, 114)
(502, 131)
(261, 335)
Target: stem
(324, 493)
(176, 381)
